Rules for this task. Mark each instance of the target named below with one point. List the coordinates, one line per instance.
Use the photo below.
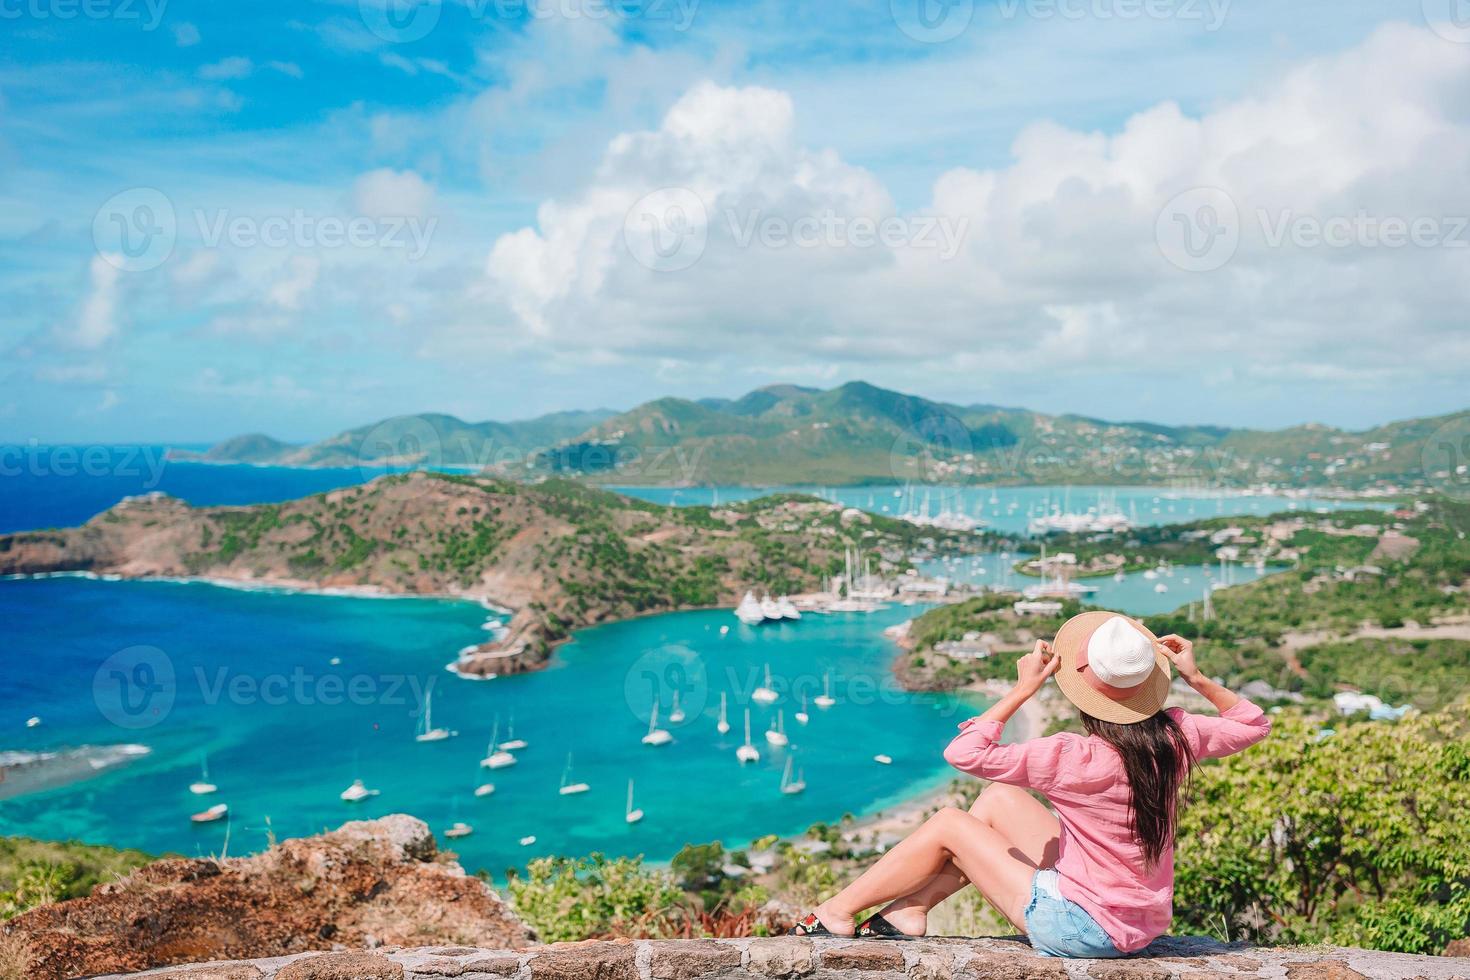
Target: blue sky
(491, 164)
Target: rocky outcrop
(789, 958)
(367, 883)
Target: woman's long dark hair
(1158, 761)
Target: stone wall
(789, 958)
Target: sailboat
(676, 716)
(801, 716)
(216, 812)
(825, 699)
(495, 756)
(511, 743)
(427, 731)
(791, 786)
(631, 815)
(776, 734)
(528, 840)
(569, 788)
(484, 789)
(724, 723)
(460, 829)
(203, 787)
(357, 792)
(883, 760)
(765, 694)
(747, 752)
(656, 735)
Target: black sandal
(810, 926)
(877, 927)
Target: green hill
(858, 433)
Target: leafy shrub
(1355, 837)
(567, 899)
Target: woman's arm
(1241, 724)
(1032, 670)
(1181, 651)
(977, 749)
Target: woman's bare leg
(926, 861)
(1030, 828)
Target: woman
(1095, 878)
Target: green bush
(1355, 837)
(567, 899)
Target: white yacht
(34, 721)
(776, 734)
(427, 731)
(569, 788)
(825, 699)
(883, 760)
(203, 787)
(484, 789)
(676, 717)
(495, 756)
(801, 716)
(656, 735)
(787, 609)
(460, 829)
(791, 786)
(511, 743)
(357, 792)
(723, 725)
(629, 814)
(748, 752)
(749, 611)
(528, 840)
(769, 609)
(765, 694)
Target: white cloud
(186, 35)
(97, 320)
(227, 69)
(296, 282)
(389, 193)
(286, 68)
(1059, 266)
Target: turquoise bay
(285, 731)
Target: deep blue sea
(247, 681)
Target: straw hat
(1112, 668)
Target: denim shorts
(1059, 927)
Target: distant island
(859, 434)
(557, 555)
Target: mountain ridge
(859, 433)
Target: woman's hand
(1181, 651)
(1034, 668)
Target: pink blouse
(1099, 865)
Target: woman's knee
(994, 799)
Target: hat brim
(1142, 703)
